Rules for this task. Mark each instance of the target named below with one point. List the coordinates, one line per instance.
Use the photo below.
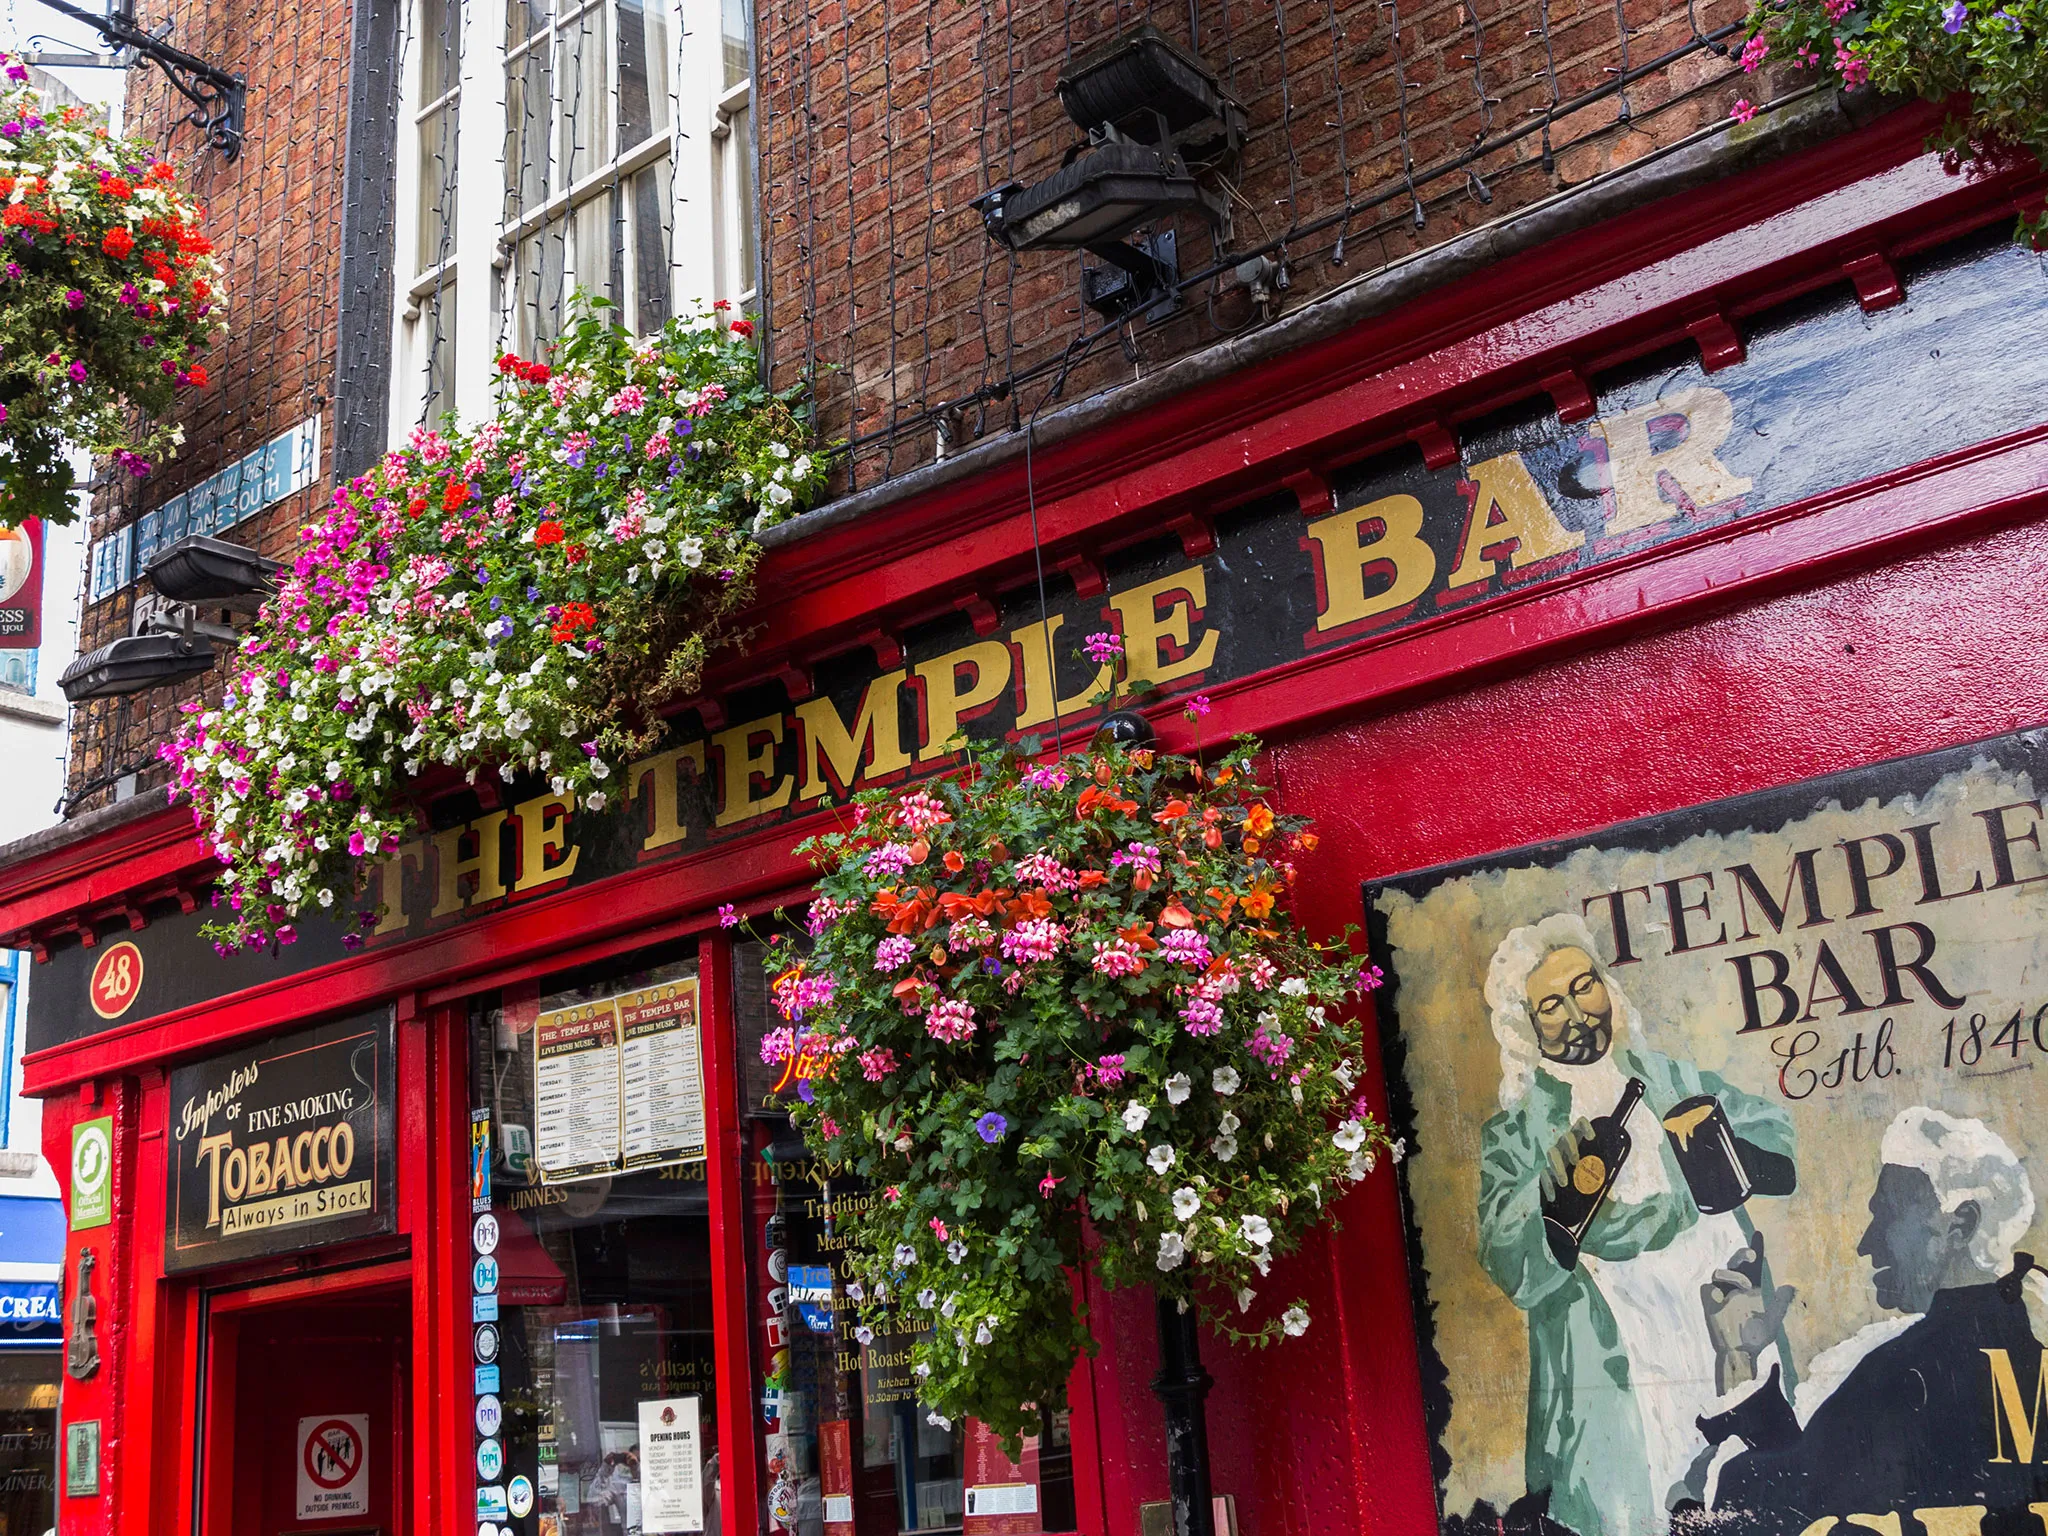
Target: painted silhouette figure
(1939, 1406)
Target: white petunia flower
(1362, 1163)
(956, 1250)
(927, 1298)
(1350, 1136)
(1160, 1158)
(1295, 1320)
(1178, 1087)
(1225, 1148)
(1343, 1073)
(1255, 1229)
(982, 1335)
(1135, 1116)
(1185, 1202)
(1229, 1123)
(865, 1334)
(1225, 1080)
(1294, 986)
(1172, 1251)
(904, 1256)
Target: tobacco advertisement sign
(282, 1145)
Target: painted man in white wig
(1620, 1362)
(1938, 1406)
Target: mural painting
(1727, 1147)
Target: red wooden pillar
(738, 1440)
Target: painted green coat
(1585, 1441)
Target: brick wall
(883, 119)
(275, 215)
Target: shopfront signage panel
(21, 585)
(1804, 1303)
(1827, 397)
(283, 1145)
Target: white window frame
(699, 144)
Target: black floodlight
(199, 569)
(1145, 103)
(1151, 89)
(1102, 194)
(133, 663)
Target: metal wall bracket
(219, 99)
(1138, 278)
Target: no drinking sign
(334, 1465)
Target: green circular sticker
(490, 1459)
(92, 1160)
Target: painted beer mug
(1704, 1143)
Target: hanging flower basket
(109, 295)
(1987, 58)
(1059, 1013)
(526, 597)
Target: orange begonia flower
(1092, 798)
(1176, 916)
(1258, 821)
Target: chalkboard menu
(282, 1145)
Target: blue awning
(31, 1230)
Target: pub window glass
(604, 1289)
(848, 1448)
(28, 1439)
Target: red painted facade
(1877, 619)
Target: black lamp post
(1182, 1384)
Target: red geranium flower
(743, 327)
(196, 375)
(453, 495)
(574, 617)
(117, 243)
(549, 532)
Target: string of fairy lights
(1377, 128)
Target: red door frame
(385, 1279)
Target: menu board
(576, 1091)
(618, 1084)
(661, 1075)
